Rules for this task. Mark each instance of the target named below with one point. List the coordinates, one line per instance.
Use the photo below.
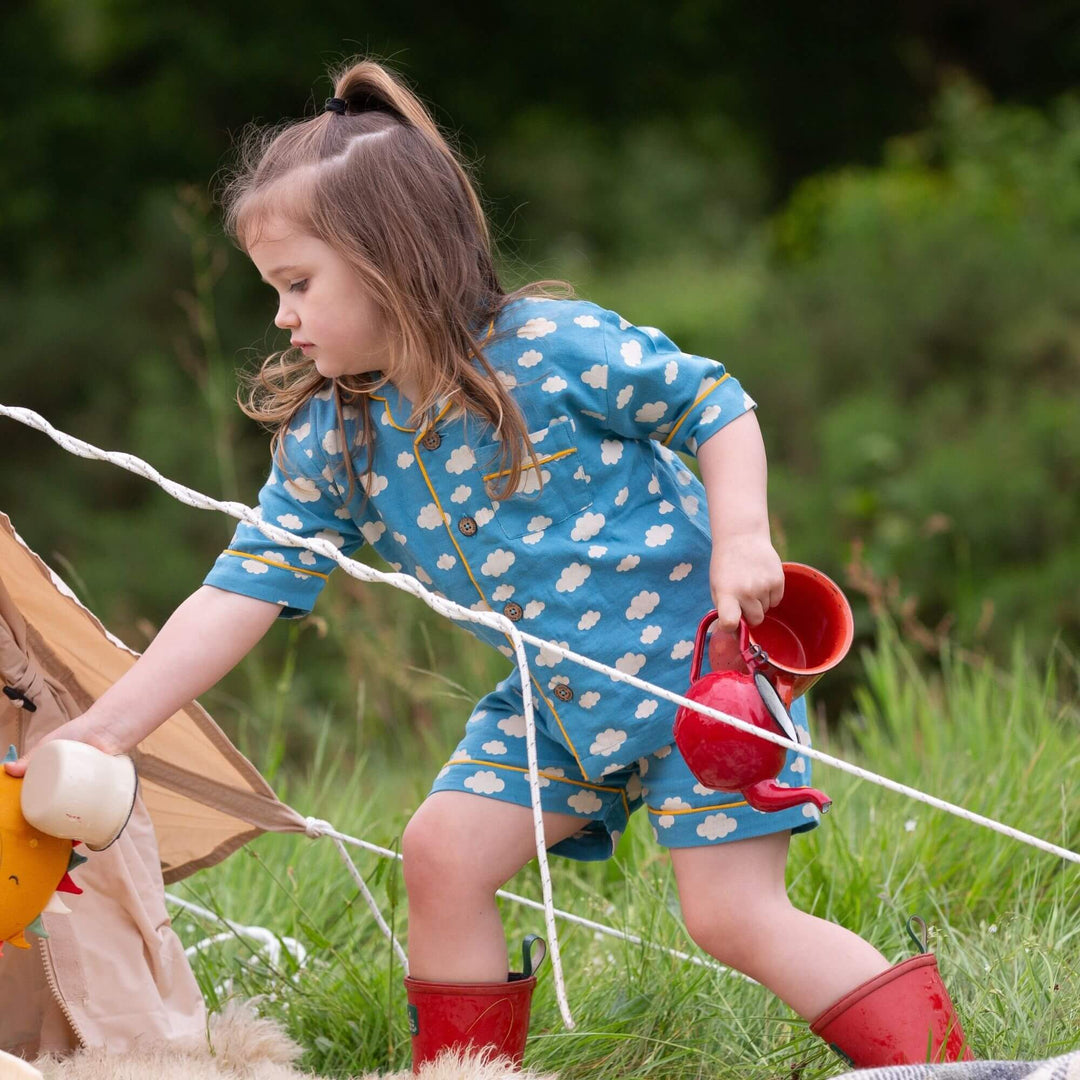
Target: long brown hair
(381, 185)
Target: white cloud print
(631, 353)
(627, 562)
(553, 384)
(643, 604)
(535, 328)
(331, 441)
(530, 358)
(372, 530)
(588, 620)
(253, 566)
(596, 377)
(680, 571)
(374, 484)
(650, 412)
(497, 563)
(585, 802)
(588, 699)
(630, 663)
(303, 490)
(484, 782)
(611, 451)
(461, 460)
(587, 320)
(573, 577)
(682, 650)
(646, 709)
(607, 742)
(716, 826)
(548, 657)
(430, 517)
(658, 535)
(289, 521)
(513, 725)
(587, 526)
(650, 634)
(671, 371)
(710, 414)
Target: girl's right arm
(204, 639)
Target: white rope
(501, 623)
(268, 940)
(317, 827)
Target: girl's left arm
(745, 573)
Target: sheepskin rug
(247, 1047)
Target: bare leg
(458, 850)
(736, 907)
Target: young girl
(514, 452)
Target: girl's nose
(285, 318)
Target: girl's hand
(746, 578)
(82, 729)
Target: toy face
(32, 866)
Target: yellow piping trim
(390, 415)
(549, 776)
(700, 399)
(698, 809)
(446, 523)
(532, 464)
(386, 404)
(468, 570)
(558, 720)
(272, 562)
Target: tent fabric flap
(204, 797)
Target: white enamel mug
(75, 791)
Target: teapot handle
(699, 644)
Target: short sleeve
(654, 390)
(303, 498)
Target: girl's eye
(298, 286)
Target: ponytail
(374, 178)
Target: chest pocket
(565, 488)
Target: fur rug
(247, 1047)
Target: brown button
(563, 692)
(467, 526)
(432, 440)
(513, 611)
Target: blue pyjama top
(610, 558)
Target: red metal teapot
(755, 679)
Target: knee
(734, 934)
(435, 861)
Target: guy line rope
(501, 623)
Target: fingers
(728, 613)
(16, 768)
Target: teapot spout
(769, 796)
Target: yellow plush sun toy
(33, 868)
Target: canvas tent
(112, 973)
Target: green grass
(1004, 918)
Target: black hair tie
(336, 104)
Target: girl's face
(321, 301)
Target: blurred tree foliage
(907, 317)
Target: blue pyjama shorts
(491, 761)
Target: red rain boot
(901, 1017)
(473, 1016)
